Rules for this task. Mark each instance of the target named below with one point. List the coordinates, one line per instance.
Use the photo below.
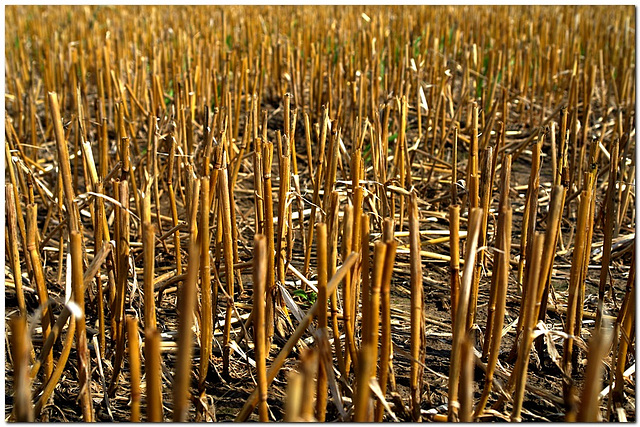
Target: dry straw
(211, 171)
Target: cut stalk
(267, 155)
(493, 336)
(504, 249)
(608, 232)
(321, 248)
(350, 346)
(148, 244)
(20, 342)
(153, 371)
(259, 338)
(625, 326)
(572, 300)
(134, 367)
(223, 194)
(364, 370)
(284, 208)
(122, 271)
(12, 246)
(459, 332)
(186, 306)
(454, 251)
(84, 362)
(386, 349)
(331, 269)
(206, 314)
(417, 314)
(63, 161)
(598, 350)
(38, 274)
(317, 184)
(529, 306)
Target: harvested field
(320, 213)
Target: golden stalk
(625, 324)
(503, 246)
(529, 313)
(417, 314)
(267, 155)
(330, 174)
(12, 246)
(331, 269)
(576, 269)
(599, 346)
(316, 191)
(20, 343)
(284, 208)
(148, 244)
(350, 346)
(16, 195)
(379, 256)
(294, 397)
(223, 194)
(122, 264)
(530, 212)
(186, 306)
(529, 220)
(371, 329)
(402, 160)
(364, 369)
(592, 176)
(485, 201)
(459, 331)
(549, 252)
(472, 165)
(321, 248)
(608, 232)
(258, 186)
(174, 208)
(153, 371)
(493, 336)
(206, 315)
(39, 279)
(84, 362)
(309, 366)
(63, 161)
(466, 380)
(454, 251)
(356, 246)
(134, 367)
(259, 339)
(102, 238)
(365, 278)
(386, 348)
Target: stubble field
(358, 213)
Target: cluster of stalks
(198, 197)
